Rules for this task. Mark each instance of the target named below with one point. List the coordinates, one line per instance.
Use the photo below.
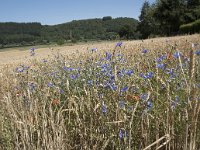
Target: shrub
(60, 42)
(192, 27)
(196, 25)
(74, 40)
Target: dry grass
(17, 55)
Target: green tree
(193, 11)
(126, 32)
(146, 21)
(106, 18)
(170, 15)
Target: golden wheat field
(16, 55)
(142, 94)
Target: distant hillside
(14, 34)
(19, 34)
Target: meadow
(134, 95)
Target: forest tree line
(106, 28)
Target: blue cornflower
(32, 51)
(119, 56)
(149, 75)
(22, 68)
(177, 98)
(144, 51)
(171, 73)
(129, 72)
(122, 134)
(26, 67)
(149, 105)
(90, 82)
(31, 86)
(104, 68)
(50, 84)
(121, 104)
(72, 76)
(61, 91)
(104, 108)
(112, 77)
(186, 60)
(104, 65)
(121, 73)
(108, 56)
(177, 54)
(44, 60)
(124, 89)
(161, 58)
(161, 66)
(113, 87)
(119, 44)
(105, 85)
(94, 50)
(68, 68)
(65, 68)
(174, 103)
(101, 59)
(144, 96)
(19, 69)
(197, 52)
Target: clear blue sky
(60, 11)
